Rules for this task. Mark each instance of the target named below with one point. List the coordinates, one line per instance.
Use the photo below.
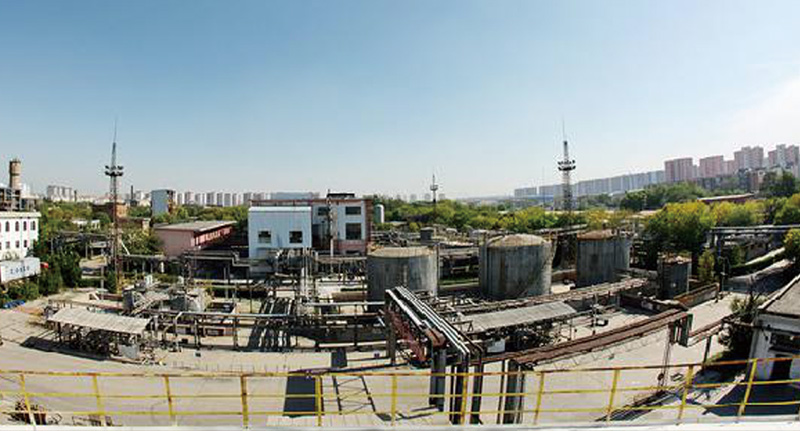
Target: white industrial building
(278, 227)
(18, 232)
(777, 334)
(340, 222)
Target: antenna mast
(566, 166)
(114, 171)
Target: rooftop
(786, 302)
(100, 321)
(727, 198)
(401, 252)
(196, 226)
(515, 240)
(520, 316)
(597, 235)
(270, 209)
(19, 214)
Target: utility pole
(114, 171)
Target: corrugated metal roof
(787, 302)
(100, 321)
(519, 316)
(196, 226)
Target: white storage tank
(516, 266)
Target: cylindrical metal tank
(15, 174)
(415, 268)
(380, 214)
(601, 256)
(515, 266)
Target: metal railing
(384, 397)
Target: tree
(678, 227)
(789, 212)
(110, 280)
(50, 281)
(791, 244)
(739, 334)
(705, 268)
(634, 201)
(779, 185)
(746, 214)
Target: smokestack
(15, 174)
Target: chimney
(15, 174)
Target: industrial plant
(313, 302)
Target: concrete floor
(366, 397)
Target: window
(265, 237)
(8, 244)
(295, 237)
(352, 231)
(322, 211)
(16, 226)
(33, 225)
(25, 244)
(17, 243)
(352, 210)
(24, 225)
(8, 227)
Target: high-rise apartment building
(783, 156)
(710, 167)
(749, 158)
(677, 170)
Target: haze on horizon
(371, 96)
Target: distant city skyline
(375, 96)
(678, 169)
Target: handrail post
(539, 398)
(394, 398)
(245, 410)
(100, 409)
(170, 406)
(743, 404)
(318, 398)
(612, 395)
(686, 385)
(464, 395)
(27, 400)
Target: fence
(387, 398)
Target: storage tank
(515, 266)
(673, 276)
(416, 268)
(601, 256)
(380, 214)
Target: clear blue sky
(372, 96)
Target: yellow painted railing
(388, 397)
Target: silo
(601, 256)
(515, 266)
(415, 268)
